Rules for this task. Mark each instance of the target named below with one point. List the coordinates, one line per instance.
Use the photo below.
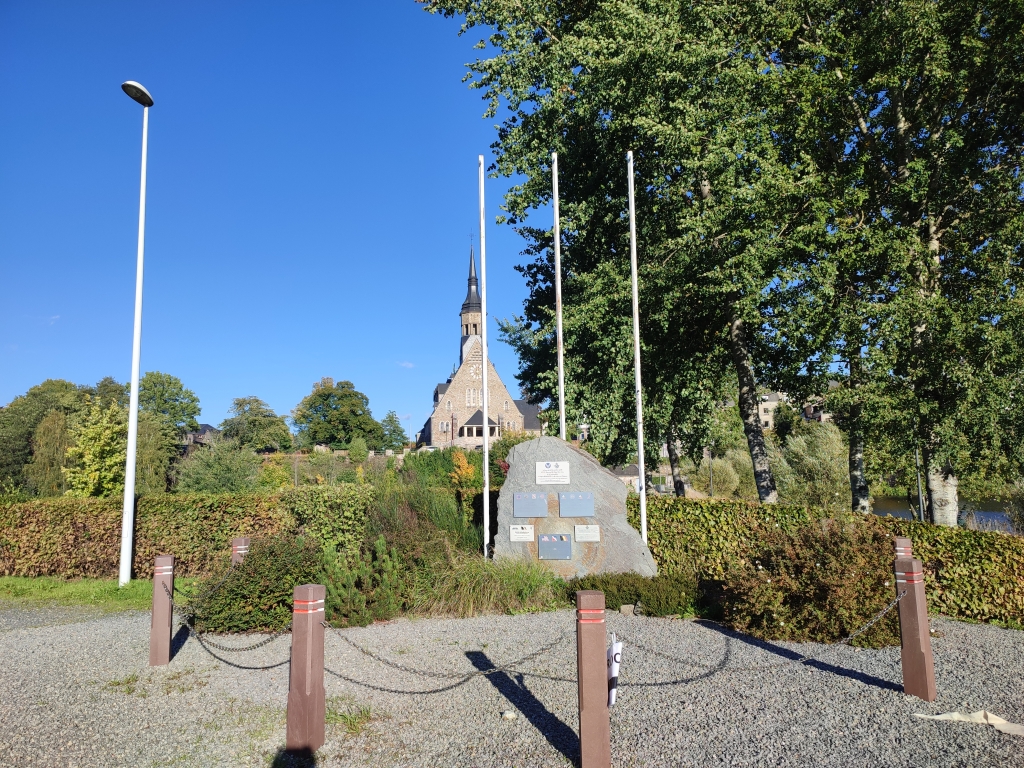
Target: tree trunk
(943, 496)
(858, 483)
(677, 477)
(749, 412)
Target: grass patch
(352, 719)
(103, 594)
(183, 681)
(464, 584)
(125, 685)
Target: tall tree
(255, 426)
(50, 442)
(395, 437)
(682, 85)
(335, 413)
(166, 397)
(910, 114)
(20, 418)
(97, 458)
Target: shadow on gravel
(178, 641)
(778, 650)
(284, 759)
(559, 735)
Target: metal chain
(845, 641)
(203, 638)
(448, 675)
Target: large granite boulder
(620, 548)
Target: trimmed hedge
(974, 575)
(75, 538)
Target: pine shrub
(257, 594)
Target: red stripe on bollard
(239, 548)
(306, 697)
(592, 677)
(160, 621)
(915, 640)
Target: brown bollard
(306, 698)
(239, 549)
(916, 643)
(903, 546)
(160, 623)
(592, 676)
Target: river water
(988, 512)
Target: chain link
(203, 637)
(449, 675)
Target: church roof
(477, 420)
(472, 302)
(531, 414)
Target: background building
(457, 419)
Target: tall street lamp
(137, 92)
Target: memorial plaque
(552, 473)
(576, 504)
(588, 533)
(520, 533)
(530, 505)
(554, 546)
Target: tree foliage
(223, 467)
(20, 418)
(825, 191)
(97, 458)
(255, 426)
(335, 413)
(395, 437)
(166, 397)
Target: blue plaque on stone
(530, 504)
(554, 546)
(576, 504)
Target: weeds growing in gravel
(353, 719)
(125, 685)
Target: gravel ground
(77, 691)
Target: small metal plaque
(520, 533)
(552, 473)
(530, 505)
(554, 546)
(576, 504)
(588, 533)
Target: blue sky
(311, 198)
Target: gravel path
(75, 690)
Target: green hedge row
(975, 575)
(75, 538)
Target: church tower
(472, 322)
(457, 418)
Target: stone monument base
(559, 507)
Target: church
(457, 420)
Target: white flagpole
(483, 337)
(558, 297)
(642, 481)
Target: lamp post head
(137, 92)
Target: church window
(449, 405)
(506, 405)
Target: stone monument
(561, 508)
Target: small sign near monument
(552, 473)
(520, 533)
(576, 504)
(530, 505)
(554, 546)
(588, 533)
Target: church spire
(472, 302)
